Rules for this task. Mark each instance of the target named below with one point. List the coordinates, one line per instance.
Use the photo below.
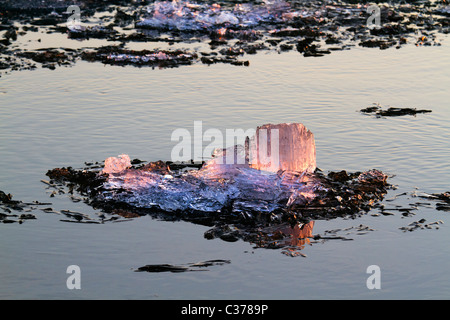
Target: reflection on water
(292, 239)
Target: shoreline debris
(230, 29)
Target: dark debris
(198, 266)
(419, 24)
(379, 112)
(16, 210)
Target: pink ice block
(114, 165)
(285, 146)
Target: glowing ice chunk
(184, 15)
(229, 179)
(114, 165)
(286, 146)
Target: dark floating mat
(198, 266)
(379, 112)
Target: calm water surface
(89, 112)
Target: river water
(88, 112)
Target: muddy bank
(227, 32)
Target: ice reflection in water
(290, 238)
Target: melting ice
(184, 15)
(244, 185)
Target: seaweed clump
(378, 111)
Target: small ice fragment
(226, 17)
(162, 56)
(76, 28)
(114, 165)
